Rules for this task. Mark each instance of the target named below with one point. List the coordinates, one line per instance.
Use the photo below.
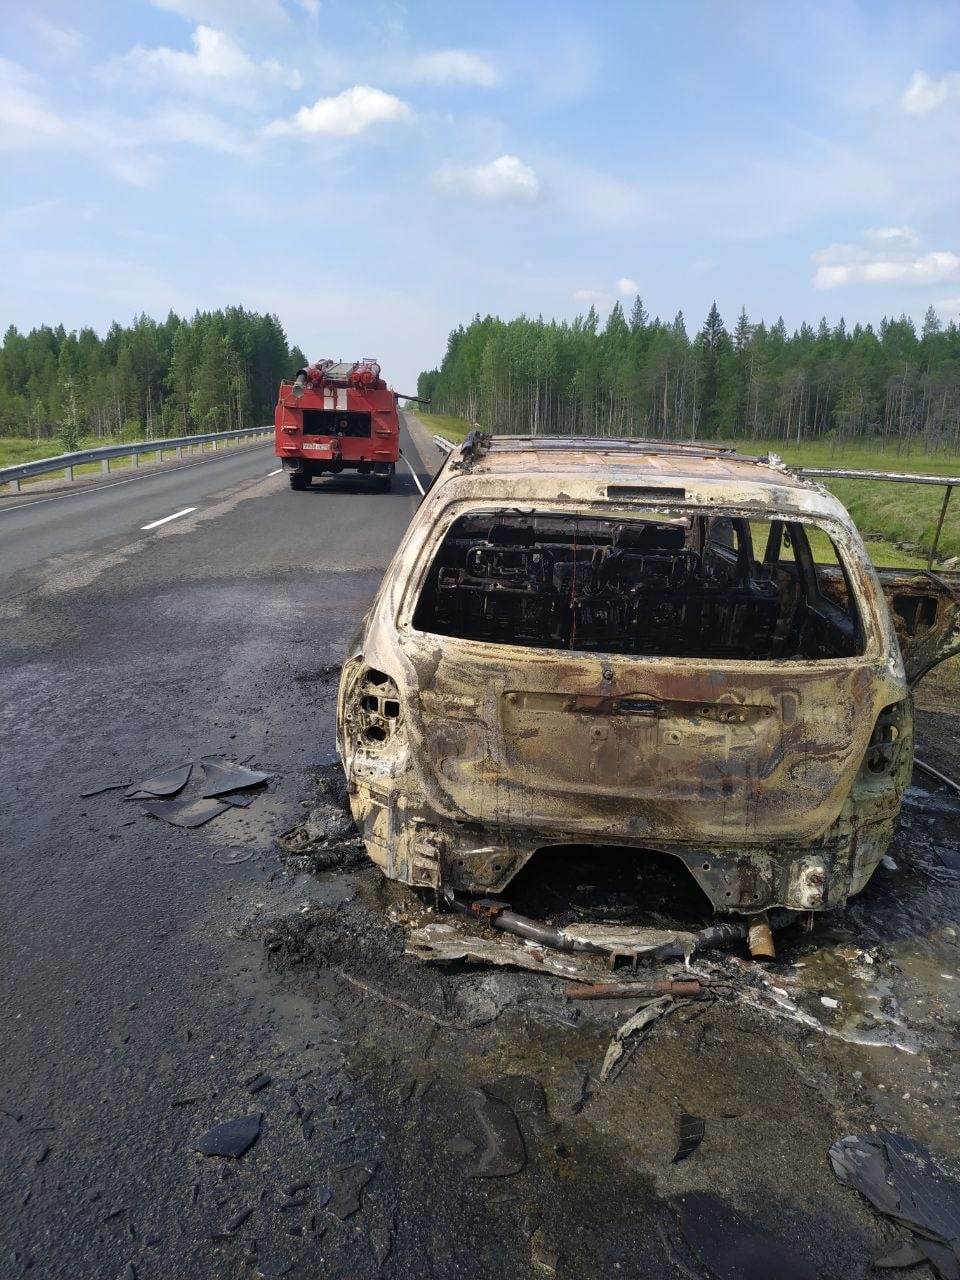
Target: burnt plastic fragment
(167, 783)
(381, 1241)
(346, 1186)
(902, 1180)
(185, 813)
(505, 1153)
(232, 1138)
(98, 788)
(221, 776)
(460, 1145)
(690, 1133)
(731, 1247)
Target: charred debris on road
(223, 784)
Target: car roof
(592, 470)
(653, 460)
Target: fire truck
(336, 416)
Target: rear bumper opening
(425, 852)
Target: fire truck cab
(337, 417)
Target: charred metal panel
(580, 643)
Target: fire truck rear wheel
(299, 481)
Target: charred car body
(640, 644)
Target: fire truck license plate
(319, 448)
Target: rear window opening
(334, 422)
(697, 586)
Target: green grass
(881, 509)
(445, 424)
(15, 449)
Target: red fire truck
(335, 417)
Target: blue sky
(377, 172)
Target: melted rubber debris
(733, 1248)
(161, 785)
(221, 776)
(902, 1180)
(504, 1154)
(100, 787)
(327, 839)
(690, 1131)
(231, 1138)
(185, 813)
(346, 1187)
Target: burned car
(639, 644)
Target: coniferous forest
(637, 376)
(216, 372)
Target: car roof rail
(476, 443)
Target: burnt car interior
(652, 585)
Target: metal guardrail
(949, 483)
(443, 444)
(67, 461)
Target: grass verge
(445, 424)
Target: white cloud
(627, 287)
(886, 256)
(948, 307)
(63, 41)
(596, 197)
(924, 94)
(453, 66)
(226, 13)
(594, 297)
(25, 119)
(344, 115)
(900, 236)
(217, 66)
(505, 179)
(117, 142)
(311, 8)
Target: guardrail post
(16, 485)
(105, 466)
(936, 536)
(214, 446)
(134, 459)
(179, 452)
(69, 471)
(159, 455)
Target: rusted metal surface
(628, 669)
(690, 989)
(760, 938)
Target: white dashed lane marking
(416, 478)
(155, 524)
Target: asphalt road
(151, 977)
(121, 652)
(34, 527)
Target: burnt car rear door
(925, 606)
